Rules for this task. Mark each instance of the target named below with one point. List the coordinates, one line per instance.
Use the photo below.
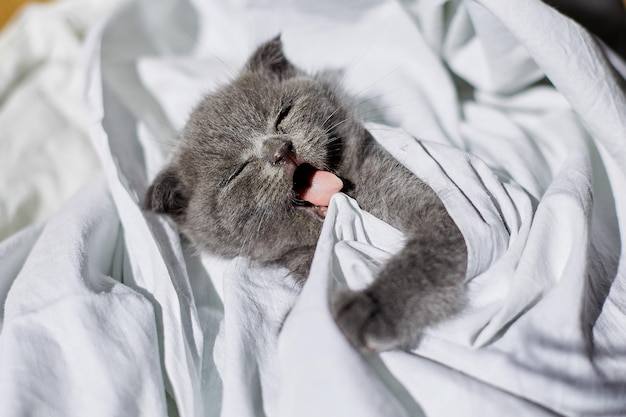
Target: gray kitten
(233, 189)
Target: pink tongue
(323, 185)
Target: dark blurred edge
(604, 18)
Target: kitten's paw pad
(364, 322)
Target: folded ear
(270, 59)
(167, 195)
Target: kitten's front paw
(364, 321)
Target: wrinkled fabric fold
(508, 110)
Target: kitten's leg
(420, 286)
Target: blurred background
(8, 8)
(45, 152)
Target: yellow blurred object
(9, 7)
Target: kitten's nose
(279, 151)
(284, 152)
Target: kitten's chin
(317, 212)
(320, 211)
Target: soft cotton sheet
(45, 152)
(110, 313)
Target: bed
(513, 113)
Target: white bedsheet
(108, 313)
(45, 153)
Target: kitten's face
(231, 186)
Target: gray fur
(228, 193)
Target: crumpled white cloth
(76, 340)
(538, 199)
(45, 153)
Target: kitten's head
(230, 186)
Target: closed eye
(235, 173)
(281, 116)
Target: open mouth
(314, 188)
(303, 177)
